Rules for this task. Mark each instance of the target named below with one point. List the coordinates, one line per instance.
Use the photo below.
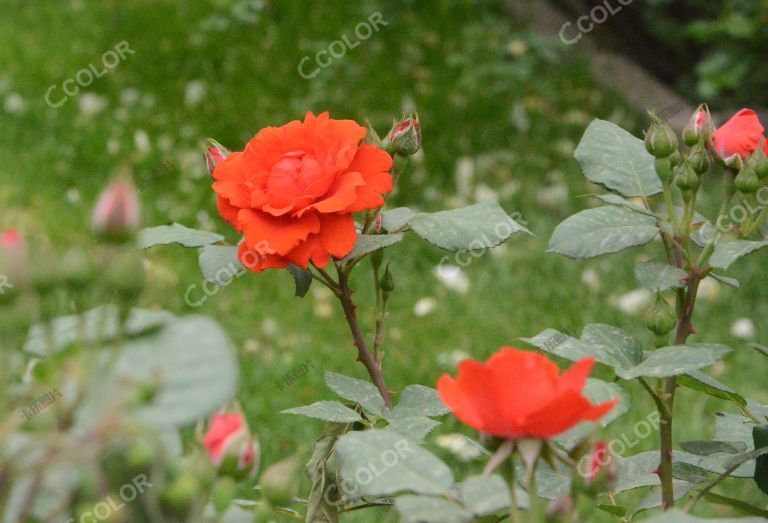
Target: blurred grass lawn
(496, 103)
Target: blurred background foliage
(502, 110)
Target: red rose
(229, 444)
(293, 190)
(520, 394)
(741, 135)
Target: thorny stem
(363, 352)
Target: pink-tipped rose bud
(601, 474)
(214, 153)
(405, 137)
(230, 445)
(116, 215)
(699, 127)
(13, 255)
(737, 139)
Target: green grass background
(490, 94)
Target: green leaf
(219, 263)
(705, 448)
(678, 516)
(485, 495)
(655, 275)
(479, 226)
(176, 233)
(762, 349)
(613, 158)
(636, 471)
(302, 280)
(697, 380)
(418, 400)
(733, 282)
(728, 252)
(675, 360)
(653, 499)
(739, 505)
(395, 219)
(368, 243)
(690, 473)
(760, 437)
(364, 393)
(740, 459)
(322, 503)
(415, 428)
(100, 325)
(614, 510)
(190, 364)
(603, 230)
(383, 463)
(607, 344)
(327, 411)
(612, 199)
(425, 509)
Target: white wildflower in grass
(452, 277)
(744, 329)
(634, 302)
(460, 446)
(424, 306)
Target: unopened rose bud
(698, 159)
(280, 482)
(602, 470)
(13, 271)
(178, 496)
(699, 128)
(747, 181)
(759, 161)
(660, 318)
(214, 153)
(687, 179)
(387, 282)
(116, 215)
(660, 139)
(224, 491)
(559, 510)
(77, 269)
(230, 445)
(125, 276)
(405, 137)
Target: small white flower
(460, 446)
(73, 196)
(452, 277)
(129, 96)
(591, 279)
(91, 104)
(194, 92)
(452, 359)
(634, 302)
(424, 306)
(744, 329)
(15, 104)
(141, 141)
(709, 289)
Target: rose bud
(759, 161)
(280, 482)
(230, 445)
(660, 140)
(687, 180)
(405, 137)
(737, 139)
(13, 255)
(699, 158)
(660, 319)
(602, 470)
(747, 181)
(214, 153)
(116, 215)
(699, 128)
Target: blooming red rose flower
(741, 135)
(520, 394)
(293, 190)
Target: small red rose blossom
(292, 192)
(520, 394)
